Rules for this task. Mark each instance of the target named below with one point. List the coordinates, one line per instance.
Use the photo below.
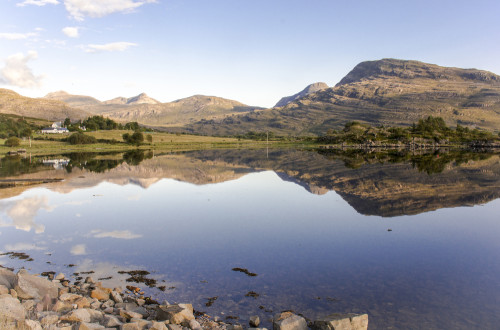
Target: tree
(12, 142)
(80, 138)
(149, 138)
(136, 138)
(67, 122)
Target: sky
(254, 51)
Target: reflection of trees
(89, 161)
(430, 163)
(17, 165)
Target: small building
(56, 128)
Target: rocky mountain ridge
(312, 88)
(387, 92)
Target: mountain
(312, 88)
(50, 109)
(386, 92)
(148, 111)
(139, 99)
(74, 101)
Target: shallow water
(417, 261)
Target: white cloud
(71, 32)
(78, 250)
(78, 9)
(123, 234)
(17, 36)
(17, 73)
(111, 47)
(38, 3)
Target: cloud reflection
(23, 212)
(22, 247)
(121, 234)
(78, 250)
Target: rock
(158, 326)
(109, 310)
(61, 307)
(59, 277)
(49, 319)
(289, 321)
(13, 293)
(254, 321)
(89, 280)
(129, 314)
(234, 327)
(111, 321)
(108, 303)
(7, 278)
(338, 321)
(32, 287)
(69, 297)
(99, 294)
(87, 326)
(175, 314)
(4, 289)
(30, 325)
(82, 302)
(174, 327)
(95, 305)
(28, 304)
(77, 315)
(116, 296)
(140, 302)
(11, 309)
(130, 306)
(195, 325)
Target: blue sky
(251, 51)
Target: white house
(55, 129)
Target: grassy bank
(112, 141)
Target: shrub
(80, 138)
(12, 142)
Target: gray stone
(338, 321)
(194, 325)
(133, 307)
(13, 293)
(87, 326)
(289, 321)
(28, 304)
(158, 326)
(7, 278)
(77, 315)
(135, 326)
(254, 321)
(116, 296)
(59, 277)
(49, 319)
(111, 321)
(234, 327)
(11, 309)
(108, 303)
(32, 287)
(129, 314)
(175, 314)
(174, 327)
(69, 297)
(89, 280)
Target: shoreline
(35, 302)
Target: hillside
(312, 88)
(53, 110)
(148, 111)
(386, 92)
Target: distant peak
(56, 94)
(312, 88)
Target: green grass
(161, 141)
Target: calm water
(411, 240)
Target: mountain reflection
(389, 183)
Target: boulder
(33, 287)
(87, 326)
(133, 307)
(116, 296)
(111, 321)
(129, 314)
(49, 319)
(4, 289)
(11, 309)
(254, 321)
(30, 325)
(338, 321)
(7, 278)
(175, 314)
(158, 326)
(69, 297)
(195, 325)
(289, 321)
(77, 316)
(99, 294)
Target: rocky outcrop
(289, 321)
(312, 88)
(29, 286)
